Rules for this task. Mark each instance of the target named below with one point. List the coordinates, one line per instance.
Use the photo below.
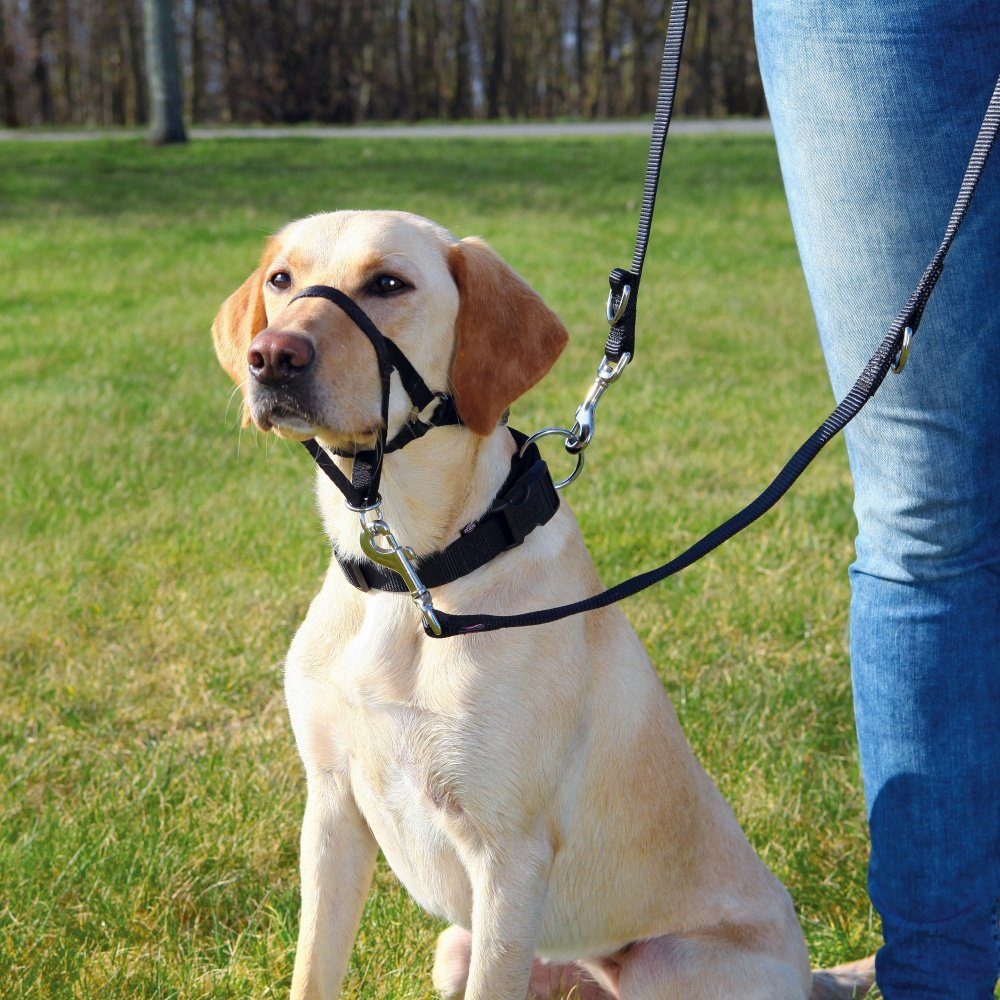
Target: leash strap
(888, 355)
(622, 303)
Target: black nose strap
(362, 490)
(389, 355)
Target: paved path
(494, 130)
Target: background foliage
(81, 61)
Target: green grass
(151, 792)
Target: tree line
(83, 62)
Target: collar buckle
(534, 501)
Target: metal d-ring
(904, 351)
(563, 432)
(614, 315)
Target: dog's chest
(359, 717)
(400, 774)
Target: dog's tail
(845, 982)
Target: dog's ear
(507, 337)
(241, 318)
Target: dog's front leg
(337, 864)
(508, 894)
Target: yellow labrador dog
(532, 787)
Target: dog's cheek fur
(507, 337)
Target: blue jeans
(876, 104)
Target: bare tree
(166, 110)
(353, 60)
(40, 12)
(8, 93)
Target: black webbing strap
(366, 474)
(621, 337)
(352, 494)
(864, 388)
(445, 414)
(526, 500)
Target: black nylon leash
(890, 354)
(624, 283)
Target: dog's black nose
(275, 358)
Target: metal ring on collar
(563, 432)
(374, 508)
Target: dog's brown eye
(387, 284)
(280, 280)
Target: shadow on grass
(114, 178)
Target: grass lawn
(151, 791)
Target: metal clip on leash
(608, 372)
(621, 307)
(381, 546)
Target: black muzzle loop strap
(361, 491)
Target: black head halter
(361, 491)
(526, 500)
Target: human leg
(875, 106)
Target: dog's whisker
(229, 402)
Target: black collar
(526, 501)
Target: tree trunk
(602, 70)
(580, 53)
(8, 93)
(137, 76)
(166, 106)
(495, 78)
(461, 95)
(63, 52)
(402, 103)
(41, 30)
(197, 62)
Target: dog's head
(464, 319)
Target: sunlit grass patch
(152, 796)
